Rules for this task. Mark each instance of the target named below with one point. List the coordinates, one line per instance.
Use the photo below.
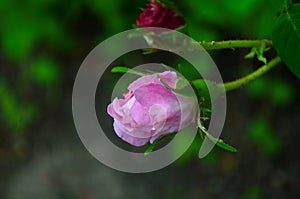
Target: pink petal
(138, 132)
(127, 138)
(168, 77)
(140, 115)
(150, 94)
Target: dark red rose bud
(155, 15)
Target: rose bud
(150, 109)
(156, 15)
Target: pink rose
(155, 15)
(150, 110)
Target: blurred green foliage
(274, 90)
(264, 136)
(35, 38)
(253, 192)
(17, 114)
(247, 18)
(44, 71)
(25, 24)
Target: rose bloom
(150, 110)
(155, 15)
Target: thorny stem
(252, 76)
(212, 45)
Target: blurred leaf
(201, 33)
(213, 157)
(54, 34)
(44, 71)
(190, 153)
(112, 14)
(286, 37)
(253, 192)
(264, 136)
(25, 25)
(240, 8)
(220, 14)
(274, 90)
(19, 37)
(17, 116)
(283, 93)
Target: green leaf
(122, 69)
(259, 52)
(149, 149)
(219, 142)
(286, 37)
(158, 140)
(17, 115)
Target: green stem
(234, 44)
(252, 76)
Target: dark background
(42, 44)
